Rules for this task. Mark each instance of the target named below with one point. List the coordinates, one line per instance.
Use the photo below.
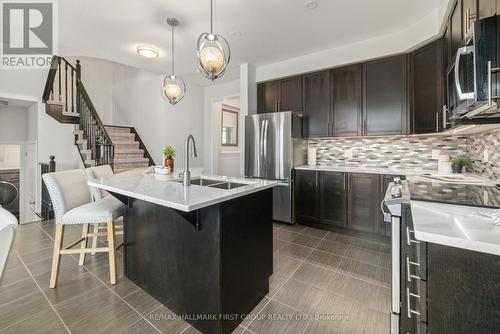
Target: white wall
(97, 77)
(22, 82)
(397, 42)
(138, 102)
(13, 123)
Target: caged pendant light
(174, 87)
(213, 52)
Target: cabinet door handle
(409, 240)
(444, 116)
(437, 121)
(409, 276)
(409, 311)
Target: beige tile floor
(323, 282)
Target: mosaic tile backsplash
(476, 145)
(413, 152)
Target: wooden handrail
(49, 84)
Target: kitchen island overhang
(209, 265)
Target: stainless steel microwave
(471, 80)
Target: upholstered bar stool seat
(99, 212)
(72, 202)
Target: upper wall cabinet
(385, 97)
(317, 118)
(280, 95)
(427, 89)
(456, 29)
(346, 87)
(267, 97)
(486, 8)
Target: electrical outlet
(348, 153)
(485, 155)
(435, 154)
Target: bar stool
(93, 173)
(73, 204)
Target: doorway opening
(227, 130)
(18, 158)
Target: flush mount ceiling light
(213, 52)
(147, 51)
(311, 4)
(174, 87)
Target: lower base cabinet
(341, 201)
(333, 199)
(364, 205)
(446, 289)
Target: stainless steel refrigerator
(273, 147)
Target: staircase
(67, 101)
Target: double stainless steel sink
(213, 183)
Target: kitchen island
(204, 251)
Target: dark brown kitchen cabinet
(385, 97)
(486, 8)
(280, 95)
(427, 89)
(290, 94)
(267, 97)
(317, 120)
(456, 34)
(362, 201)
(306, 196)
(462, 290)
(346, 86)
(333, 199)
(446, 49)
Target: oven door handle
(460, 52)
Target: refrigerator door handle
(266, 127)
(261, 148)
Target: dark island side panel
(222, 268)
(247, 252)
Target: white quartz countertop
(456, 226)
(374, 170)
(165, 190)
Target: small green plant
(462, 160)
(169, 152)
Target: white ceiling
(270, 30)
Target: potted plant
(458, 163)
(168, 155)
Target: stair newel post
(52, 164)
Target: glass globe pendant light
(174, 87)
(213, 52)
